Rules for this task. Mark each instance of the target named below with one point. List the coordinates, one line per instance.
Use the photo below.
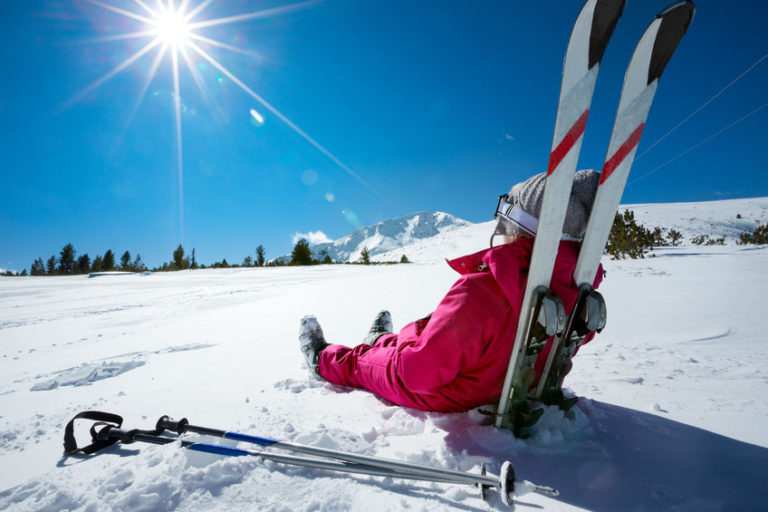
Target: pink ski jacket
(456, 358)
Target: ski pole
(127, 437)
(111, 433)
(183, 426)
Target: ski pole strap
(101, 419)
(109, 434)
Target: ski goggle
(513, 213)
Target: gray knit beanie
(529, 194)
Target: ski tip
(675, 20)
(680, 7)
(604, 18)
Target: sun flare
(172, 28)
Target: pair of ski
(542, 313)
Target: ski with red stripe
(649, 59)
(571, 138)
(589, 38)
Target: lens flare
(257, 118)
(309, 177)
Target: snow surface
(672, 415)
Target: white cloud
(313, 237)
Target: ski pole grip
(168, 423)
(115, 434)
(102, 418)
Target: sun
(172, 27)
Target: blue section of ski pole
(218, 450)
(263, 441)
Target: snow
(727, 218)
(671, 417)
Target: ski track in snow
(671, 415)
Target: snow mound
(86, 374)
(117, 273)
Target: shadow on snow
(623, 459)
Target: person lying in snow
(456, 358)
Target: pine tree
(260, 253)
(84, 264)
(301, 254)
(178, 257)
(179, 261)
(758, 236)
(138, 265)
(38, 268)
(67, 259)
(657, 237)
(50, 265)
(365, 256)
(675, 237)
(193, 263)
(404, 259)
(628, 238)
(699, 240)
(248, 261)
(706, 240)
(125, 261)
(98, 264)
(108, 262)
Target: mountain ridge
(442, 235)
(387, 236)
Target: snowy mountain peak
(389, 235)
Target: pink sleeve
(453, 339)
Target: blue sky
(412, 105)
